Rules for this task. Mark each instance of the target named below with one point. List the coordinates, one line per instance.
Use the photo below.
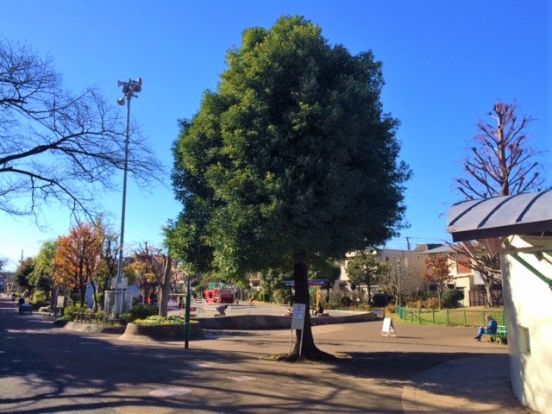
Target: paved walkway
(425, 369)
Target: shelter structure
(519, 227)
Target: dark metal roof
(525, 213)
(439, 250)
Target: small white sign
(388, 328)
(60, 301)
(298, 316)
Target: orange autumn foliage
(77, 257)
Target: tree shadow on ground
(47, 370)
(51, 370)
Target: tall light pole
(130, 90)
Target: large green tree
(23, 273)
(43, 273)
(291, 161)
(363, 267)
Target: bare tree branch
(500, 163)
(58, 145)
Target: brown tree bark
(488, 289)
(164, 287)
(301, 283)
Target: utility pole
(130, 90)
(408, 243)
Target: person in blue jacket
(489, 330)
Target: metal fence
(450, 317)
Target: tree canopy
(293, 153)
(292, 160)
(363, 267)
(43, 272)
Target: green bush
(451, 297)
(160, 320)
(69, 311)
(139, 312)
(281, 296)
(39, 299)
(346, 301)
(381, 300)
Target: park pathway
(44, 369)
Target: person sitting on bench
(489, 330)
(320, 310)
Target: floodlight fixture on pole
(130, 90)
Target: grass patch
(451, 317)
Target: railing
(451, 317)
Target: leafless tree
(500, 162)
(153, 263)
(55, 145)
(481, 256)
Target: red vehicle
(219, 295)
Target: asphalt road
(44, 369)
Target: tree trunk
(164, 288)
(301, 281)
(488, 290)
(369, 292)
(82, 294)
(95, 308)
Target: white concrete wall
(528, 302)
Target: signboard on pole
(298, 316)
(298, 322)
(388, 328)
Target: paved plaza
(44, 369)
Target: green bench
(501, 335)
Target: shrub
(346, 301)
(418, 304)
(431, 303)
(39, 299)
(381, 300)
(69, 311)
(139, 312)
(100, 299)
(451, 297)
(159, 320)
(281, 296)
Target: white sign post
(388, 328)
(298, 322)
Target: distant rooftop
(443, 248)
(527, 213)
(427, 246)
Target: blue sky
(445, 64)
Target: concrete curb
(259, 322)
(93, 328)
(161, 332)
